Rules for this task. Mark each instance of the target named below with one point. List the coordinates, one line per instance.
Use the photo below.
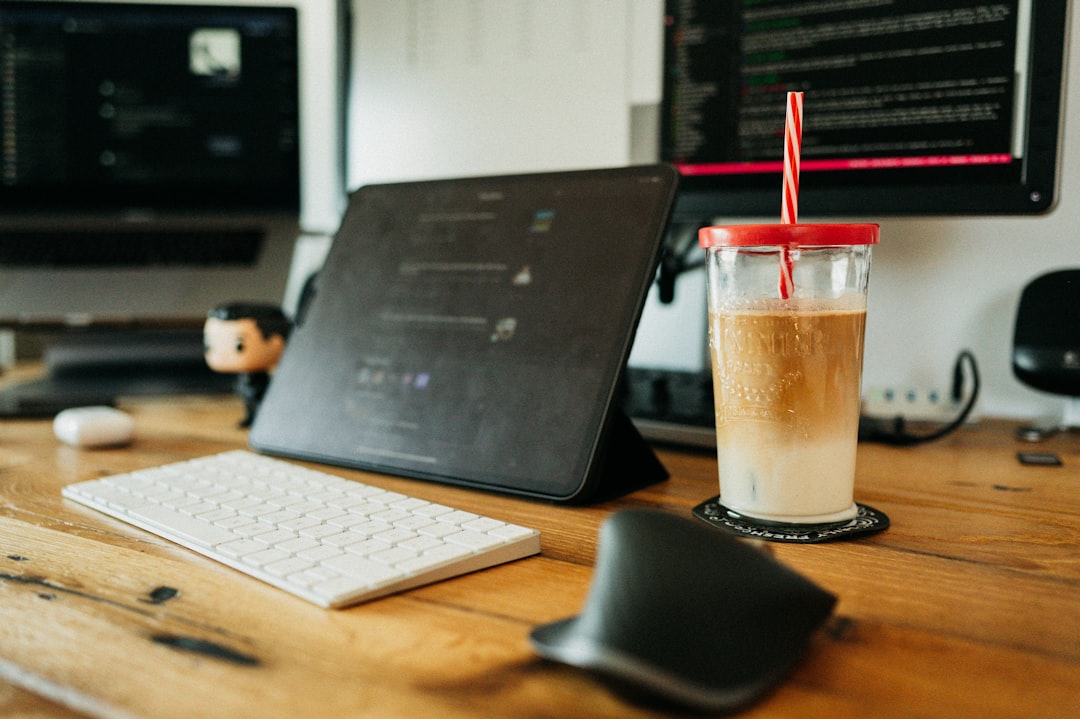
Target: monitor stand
(96, 366)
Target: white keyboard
(326, 539)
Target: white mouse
(93, 427)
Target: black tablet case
(474, 332)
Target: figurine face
(239, 346)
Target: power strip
(914, 404)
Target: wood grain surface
(968, 606)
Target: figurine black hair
(246, 339)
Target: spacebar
(175, 525)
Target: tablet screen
(473, 331)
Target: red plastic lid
(792, 234)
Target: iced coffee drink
(787, 370)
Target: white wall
(938, 286)
(451, 89)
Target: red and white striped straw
(789, 210)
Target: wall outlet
(914, 404)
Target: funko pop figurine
(247, 340)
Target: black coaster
(867, 521)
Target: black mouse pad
(474, 331)
(678, 612)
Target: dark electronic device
(474, 331)
(150, 171)
(914, 108)
(683, 613)
(151, 159)
(1046, 343)
(671, 406)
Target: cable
(893, 431)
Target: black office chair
(1046, 345)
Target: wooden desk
(969, 606)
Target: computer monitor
(161, 157)
(911, 108)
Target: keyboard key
(444, 553)
(369, 570)
(183, 526)
(475, 541)
(240, 547)
(288, 566)
(393, 555)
